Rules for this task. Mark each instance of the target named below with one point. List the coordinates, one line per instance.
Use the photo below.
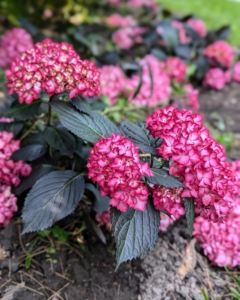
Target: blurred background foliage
(215, 13)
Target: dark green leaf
(101, 203)
(86, 127)
(29, 152)
(28, 182)
(135, 232)
(189, 208)
(159, 54)
(14, 127)
(61, 140)
(138, 133)
(34, 138)
(82, 105)
(52, 198)
(23, 111)
(162, 177)
(224, 32)
(170, 36)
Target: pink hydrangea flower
(183, 38)
(190, 99)
(236, 170)
(112, 82)
(175, 68)
(165, 222)
(104, 219)
(199, 26)
(168, 199)
(198, 160)
(236, 72)
(139, 3)
(215, 78)
(151, 92)
(7, 204)
(117, 20)
(220, 52)
(115, 165)
(13, 43)
(54, 68)
(11, 170)
(126, 37)
(220, 241)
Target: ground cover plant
(119, 124)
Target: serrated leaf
(23, 111)
(162, 177)
(86, 127)
(61, 140)
(28, 182)
(101, 203)
(14, 127)
(82, 105)
(34, 138)
(29, 152)
(135, 232)
(189, 208)
(138, 133)
(52, 198)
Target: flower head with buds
(54, 68)
(115, 165)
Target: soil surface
(83, 267)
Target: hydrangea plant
(138, 171)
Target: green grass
(215, 13)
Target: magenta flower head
(175, 68)
(220, 52)
(197, 25)
(115, 165)
(215, 78)
(11, 170)
(112, 82)
(236, 72)
(198, 160)
(8, 204)
(54, 68)
(13, 43)
(220, 241)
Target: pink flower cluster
(115, 165)
(168, 199)
(10, 170)
(220, 241)
(175, 68)
(104, 219)
(112, 82)
(236, 72)
(216, 78)
(117, 20)
(126, 37)
(198, 160)
(9, 174)
(13, 43)
(54, 68)
(220, 52)
(152, 92)
(236, 170)
(8, 204)
(190, 98)
(198, 26)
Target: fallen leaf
(189, 260)
(3, 254)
